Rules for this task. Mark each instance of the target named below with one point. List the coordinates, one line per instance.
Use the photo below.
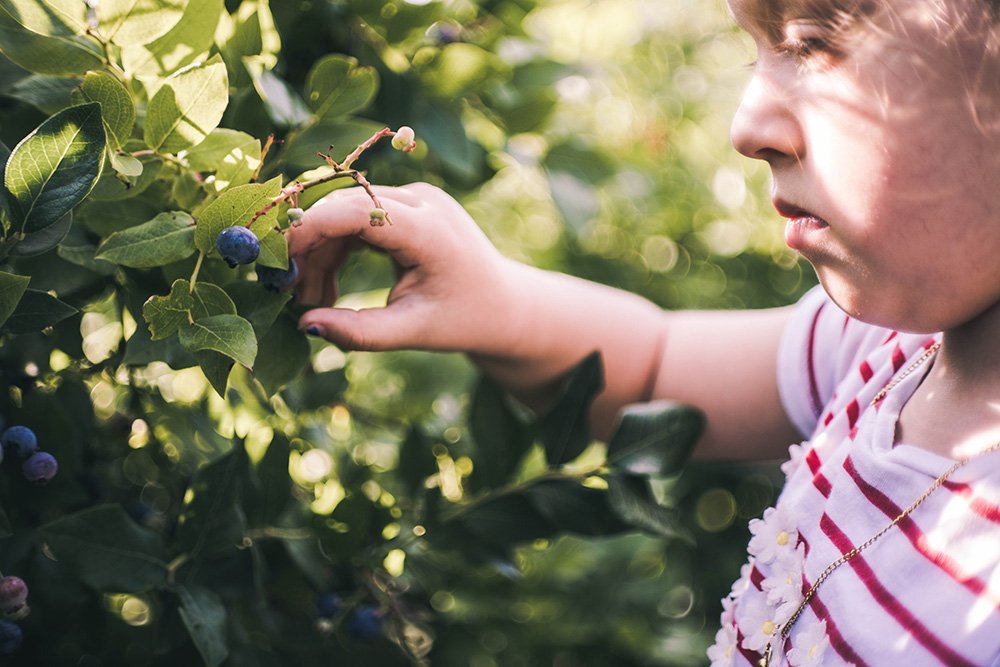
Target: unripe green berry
(295, 216)
(404, 138)
(377, 217)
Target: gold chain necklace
(785, 629)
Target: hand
(454, 290)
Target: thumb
(369, 329)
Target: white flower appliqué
(795, 455)
(784, 583)
(809, 645)
(758, 622)
(772, 535)
(723, 653)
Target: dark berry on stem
(277, 280)
(365, 623)
(19, 440)
(13, 594)
(40, 468)
(237, 245)
(328, 605)
(10, 637)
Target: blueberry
(10, 637)
(328, 605)
(237, 245)
(277, 280)
(19, 440)
(365, 623)
(13, 594)
(40, 468)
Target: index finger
(345, 213)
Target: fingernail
(313, 330)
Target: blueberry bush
(187, 478)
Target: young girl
(879, 120)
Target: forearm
(557, 320)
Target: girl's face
(881, 134)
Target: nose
(765, 126)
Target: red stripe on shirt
(866, 371)
(918, 539)
(837, 641)
(820, 481)
(756, 578)
(810, 361)
(978, 505)
(853, 411)
(751, 656)
(898, 358)
(887, 601)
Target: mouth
(801, 226)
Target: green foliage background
(199, 513)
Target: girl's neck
(955, 411)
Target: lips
(802, 225)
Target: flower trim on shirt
(809, 645)
(723, 653)
(774, 534)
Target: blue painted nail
(313, 330)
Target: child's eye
(808, 42)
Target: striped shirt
(925, 593)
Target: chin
(890, 310)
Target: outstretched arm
(526, 327)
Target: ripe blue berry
(328, 605)
(19, 440)
(365, 623)
(40, 468)
(277, 280)
(237, 245)
(13, 594)
(10, 637)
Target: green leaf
(564, 429)
(126, 22)
(211, 300)
(169, 237)
(187, 107)
(237, 206)
(571, 507)
(35, 311)
(212, 522)
(504, 521)
(229, 334)
(204, 616)
(107, 551)
(501, 437)
(257, 305)
(460, 68)
(273, 250)
(44, 239)
(232, 156)
(190, 38)
(48, 94)
(117, 106)
(112, 186)
(166, 314)
(633, 501)
(281, 101)
(273, 492)
(125, 165)
(249, 32)
(655, 438)
(48, 17)
(336, 86)
(12, 287)
(288, 354)
(37, 53)
(54, 167)
(83, 255)
(216, 368)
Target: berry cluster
(364, 623)
(37, 466)
(13, 607)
